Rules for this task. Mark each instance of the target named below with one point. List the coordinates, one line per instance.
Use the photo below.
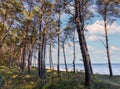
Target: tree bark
(39, 51)
(50, 53)
(85, 58)
(58, 60)
(91, 70)
(42, 58)
(65, 58)
(29, 61)
(24, 56)
(106, 39)
(44, 55)
(58, 33)
(74, 52)
(107, 50)
(82, 41)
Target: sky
(96, 48)
(97, 51)
(94, 37)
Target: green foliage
(109, 8)
(28, 15)
(15, 80)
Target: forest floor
(13, 79)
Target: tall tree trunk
(50, 53)
(107, 49)
(39, 61)
(58, 60)
(82, 42)
(42, 58)
(85, 57)
(29, 60)
(74, 52)
(91, 70)
(44, 55)
(65, 58)
(39, 51)
(82, 26)
(23, 58)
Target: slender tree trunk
(42, 59)
(85, 58)
(58, 60)
(65, 58)
(29, 61)
(39, 61)
(82, 42)
(74, 52)
(44, 55)
(91, 70)
(50, 53)
(82, 26)
(23, 58)
(50, 56)
(107, 49)
(39, 51)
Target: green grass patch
(13, 79)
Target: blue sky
(96, 48)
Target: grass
(15, 80)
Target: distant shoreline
(82, 64)
(98, 68)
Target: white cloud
(96, 31)
(92, 38)
(96, 28)
(114, 48)
(114, 28)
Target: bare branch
(102, 43)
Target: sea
(98, 68)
